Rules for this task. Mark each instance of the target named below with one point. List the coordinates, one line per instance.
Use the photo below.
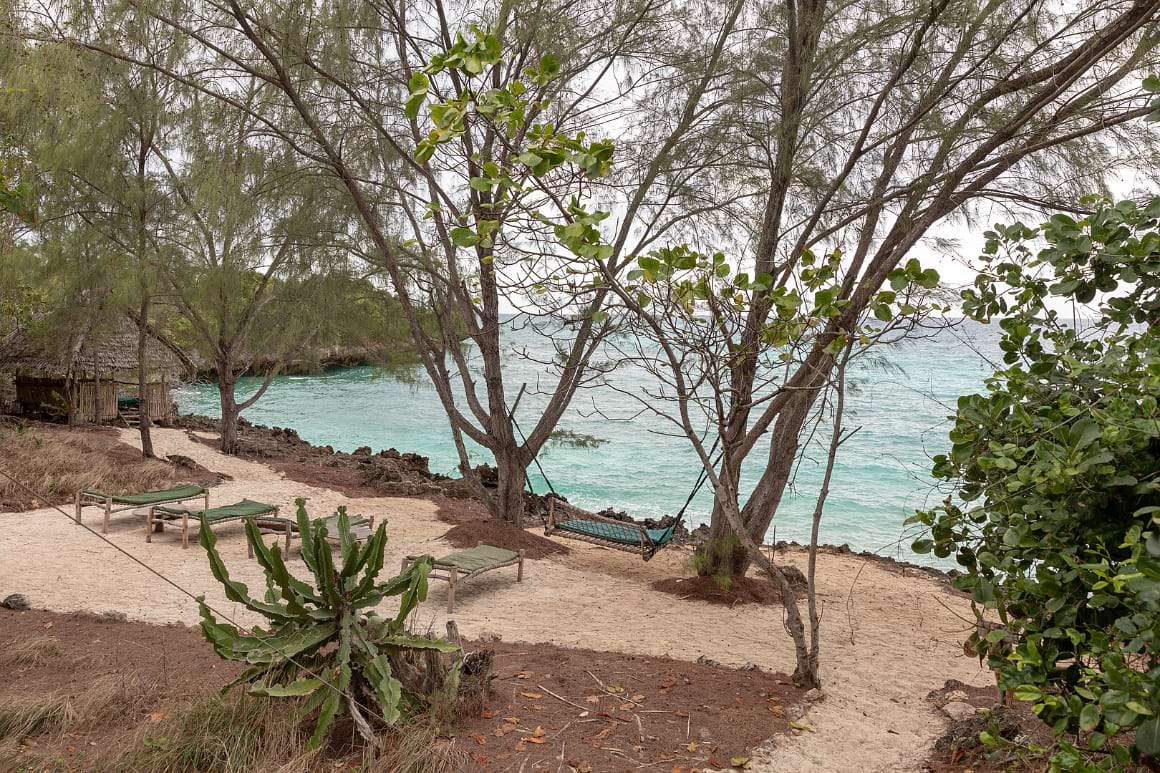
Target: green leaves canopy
(1056, 515)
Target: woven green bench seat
(465, 564)
(87, 497)
(478, 558)
(246, 508)
(175, 494)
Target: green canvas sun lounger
(361, 527)
(235, 512)
(470, 563)
(85, 498)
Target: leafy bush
(1056, 468)
(320, 645)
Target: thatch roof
(102, 351)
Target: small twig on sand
(561, 698)
(563, 744)
(639, 728)
(688, 726)
(594, 676)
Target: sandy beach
(888, 639)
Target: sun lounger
(235, 512)
(132, 501)
(465, 564)
(361, 528)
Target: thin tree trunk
(143, 376)
(229, 422)
(724, 554)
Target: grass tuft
(417, 748)
(107, 699)
(33, 652)
(226, 735)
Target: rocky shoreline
(390, 472)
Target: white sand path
(895, 642)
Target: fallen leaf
(616, 689)
(777, 711)
(715, 763)
(627, 706)
(584, 767)
(593, 699)
(479, 739)
(538, 732)
(487, 714)
(692, 746)
(669, 682)
(740, 762)
(521, 746)
(637, 698)
(603, 734)
(533, 739)
(523, 675)
(801, 726)
(532, 695)
(503, 730)
(158, 716)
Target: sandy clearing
(897, 640)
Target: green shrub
(1056, 512)
(320, 644)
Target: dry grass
(32, 652)
(225, 735)
(417, 748)
(106, 700)
(56, 463)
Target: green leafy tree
(1055, 515)
(321, 644)
(689, 312)
(497, 124)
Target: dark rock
(488, 475)
(964, 734)
(15, 601)
(796, 577)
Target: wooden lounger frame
(275, 525)
(86, 499)
(271, 520)
(454, 575)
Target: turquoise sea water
(881, 475)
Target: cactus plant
(321, 644)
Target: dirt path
(886, 643)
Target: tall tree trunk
(143, 376)
(227, 381)
(508, 501)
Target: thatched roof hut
(100, 353)
(84, 377)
